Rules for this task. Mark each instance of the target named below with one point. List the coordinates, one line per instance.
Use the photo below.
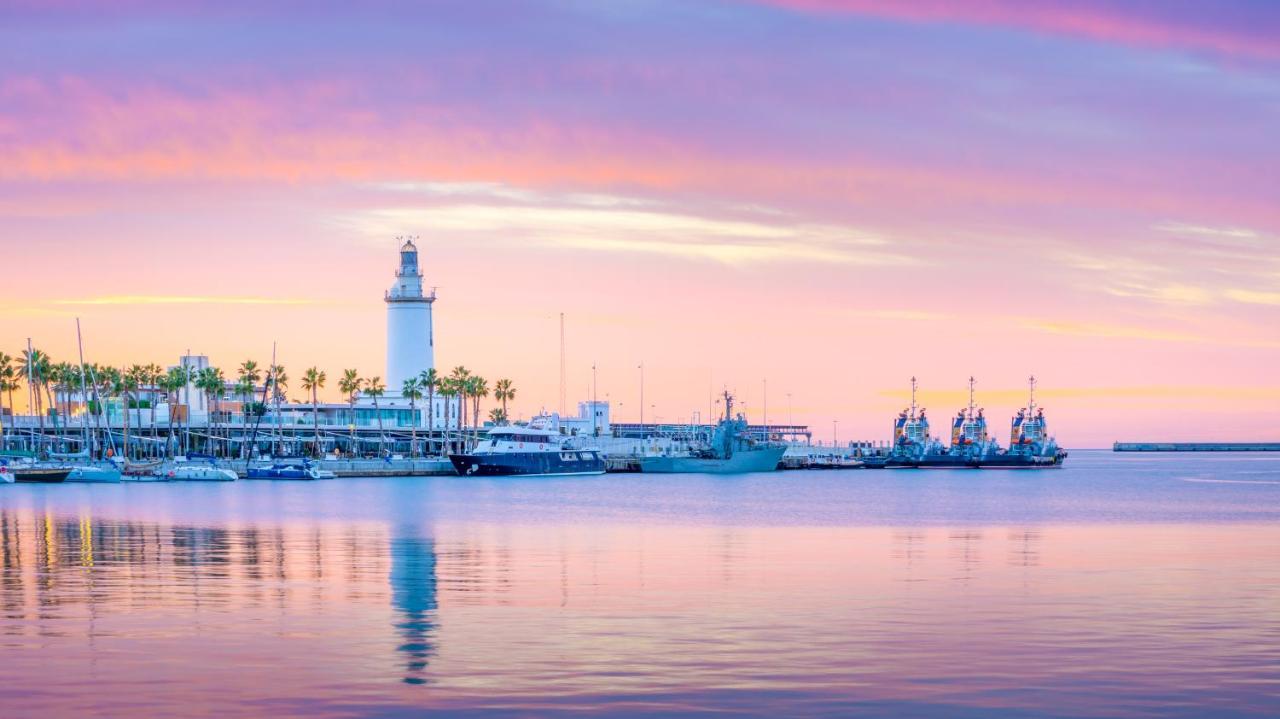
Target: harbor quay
(1196, 447)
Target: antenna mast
(561, 409)
(971, 382)
(913, 398)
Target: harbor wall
(1196, 447)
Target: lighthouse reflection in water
(413, 595)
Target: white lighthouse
(410, 340)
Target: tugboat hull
(566, 462)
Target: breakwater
(1196, 447)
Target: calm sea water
(1121, 585)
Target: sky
(806, 202)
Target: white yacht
(536, 449)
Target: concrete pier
(1196, 447)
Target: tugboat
(1030, 446)
(912, 441)
(537, 449)
(971, 444)
(728, 451)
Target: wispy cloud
(618, 224)
(1254, 297)
(1110, 331)
(1127, 332)
(1226, 33)
(182, 300)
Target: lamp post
(641, 368)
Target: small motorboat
(281, 470)
(96, 472)
(6, 477)
(200, 473)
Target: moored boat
(95, 472)
(971, 446)
(200, 473)
(38, 472)
(536, 449)
(282, 470)
(729, 450)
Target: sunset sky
(833, 195)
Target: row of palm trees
(55, 385)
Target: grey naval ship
(728, 450)
(971, 445)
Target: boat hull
(201, 474)
(290, 473)
(94, 473)
(764, 459)
(993, 461)
(510, 464)
(41, 475)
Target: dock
(431, 467)
(1196, 447)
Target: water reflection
(413, 595)
(340, 617)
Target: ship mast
(971, 383)
(913, 398)
(1031, 401)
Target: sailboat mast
(84, 391)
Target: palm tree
(35, 366)
(448, 389)
(172, 383)
(477, 388)
(53, 382)
(350, 385)
(130, 381)
(108, 380)
(278, 381)
(459, 376)
(429, 380)
(6, 376)
(375, 389)
(153, 374)
(212, 382)
(497, 416)
(313, 381)
(503, 391)
(248, 377)
(412, 392)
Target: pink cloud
(1110, 22)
